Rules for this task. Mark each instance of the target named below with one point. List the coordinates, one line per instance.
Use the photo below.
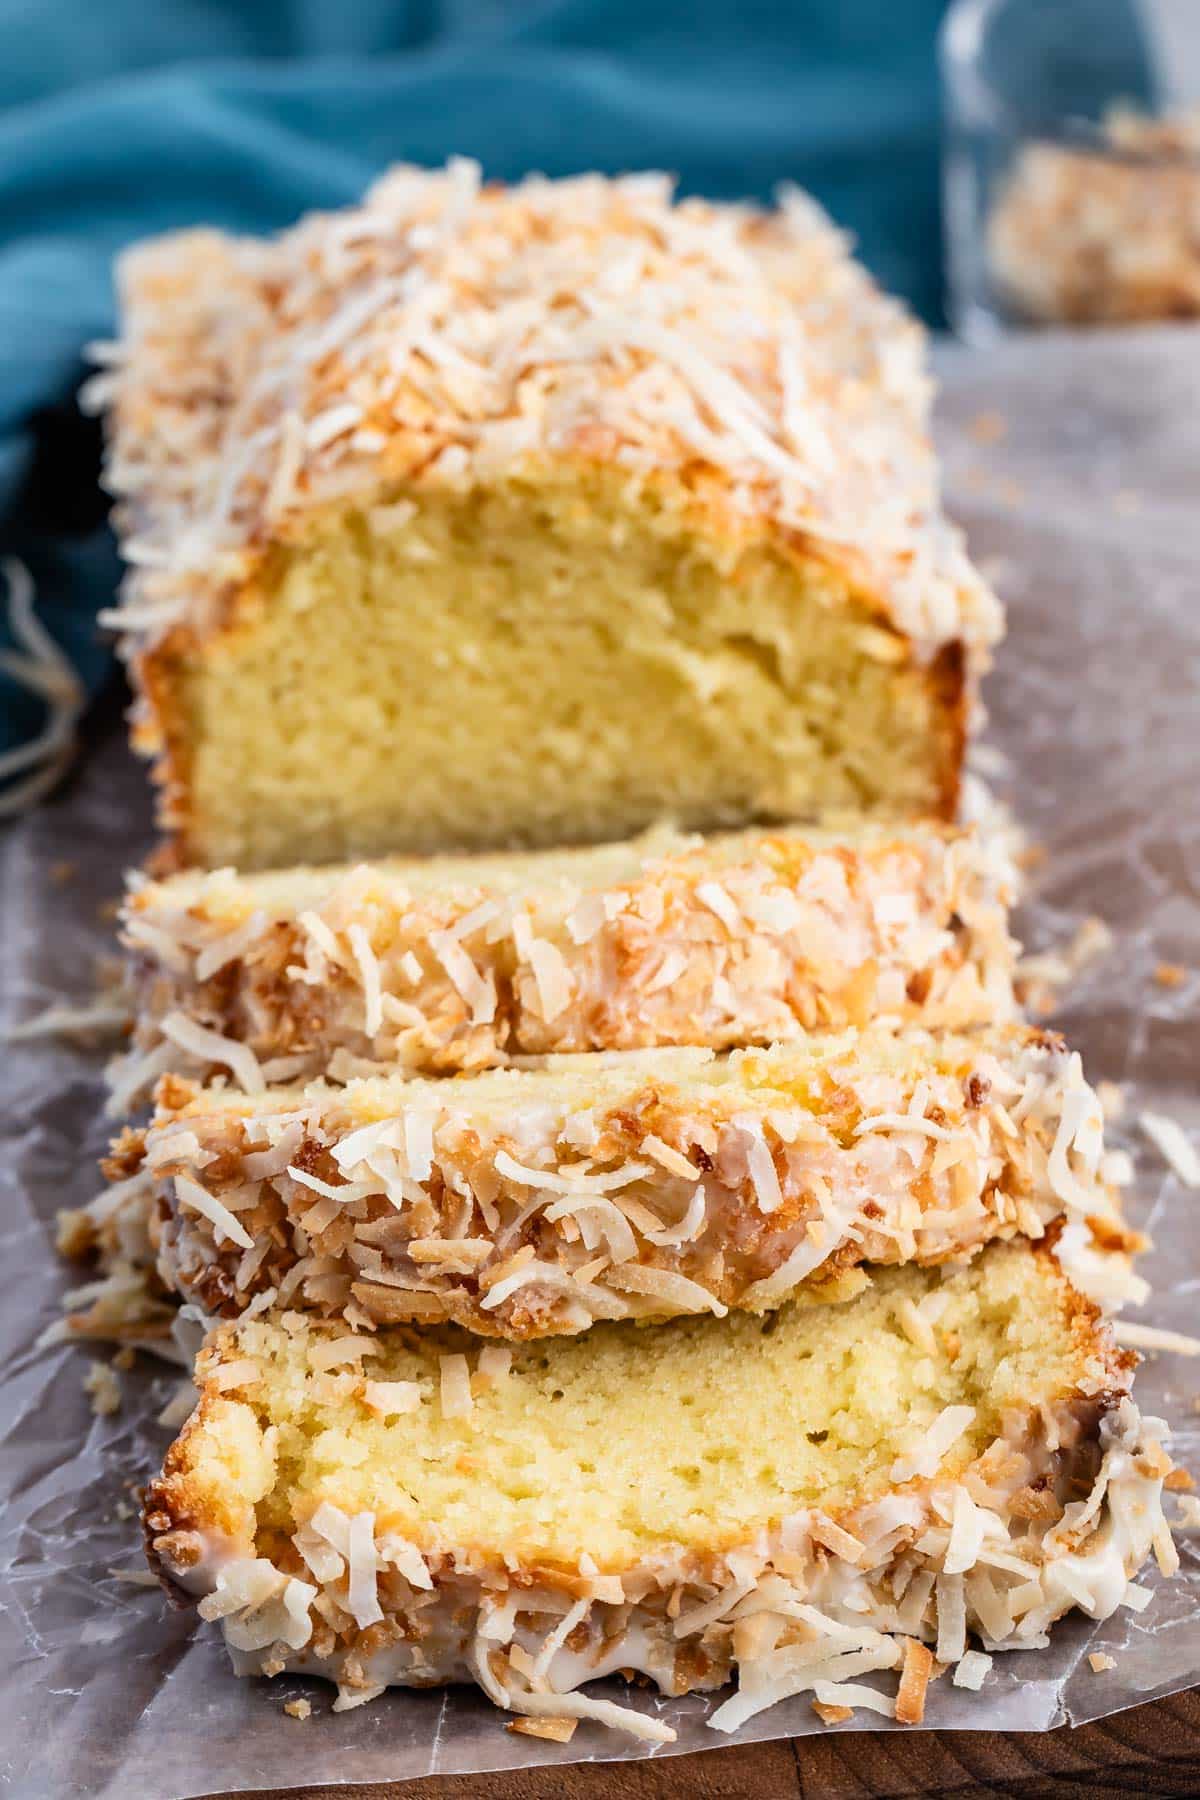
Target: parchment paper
(1074, 466)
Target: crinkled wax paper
(1073, 464)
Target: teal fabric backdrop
(122, 117)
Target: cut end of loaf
(548, 661)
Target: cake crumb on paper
(1100, 1662)
(298, 1709)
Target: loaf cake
(458, 963)
(495, 517)
(829, 1494)
(523, 1203)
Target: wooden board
(1149, 1750)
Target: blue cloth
(119, 118)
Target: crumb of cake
(101, 1384)
(298, 1709)
(557, 1731)
(1100, 1662)
(1170, 975)
(1179, 1481)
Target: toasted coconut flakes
(719, 901)
(760, 1165)
(386, 1399)
(1188, 1515)
(457, 1401)
(677, 1291)
(914, 1679)
(1174, 1146)
(102, 1018)
(570, 1180)
(669, 970)
(551, 977)
(372, 986)
(362, 1598)
(495, 1362)
(842, 1543)
(322, 935)
(411, 967)
(348, 1698)
(135, 1577)
(478, 992)
(832, 1715)
(241, 1373)
(347, 1191)
(209, 1046)
(1152, 1337)
(972, 1670)
(852, 1694)
(555, 1731)
(327, 1353)
(674, 1161)
(1099, 1662)
(223, 1222)
(418, 1144)
(966, 1534)
(926, 1457)
(471, 1251)
(916, 1326)
(951, 1617)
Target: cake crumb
(558, 1731)
(1100, 1662)
(101, 1384)
(298, 1709)
(832, 1715)
(1170, 975)
(1178, 1481)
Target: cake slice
(462, 962)
(806, 1500)
(524, 1203)
(481, 516)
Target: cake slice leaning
(523, 1203)
(950, 1458)
(456, 963)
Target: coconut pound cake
(482, 517)
(525, 1203)
(461, 962)
(831, 1494)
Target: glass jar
(1072, 162)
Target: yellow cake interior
(542, 661)
(629, 1439)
